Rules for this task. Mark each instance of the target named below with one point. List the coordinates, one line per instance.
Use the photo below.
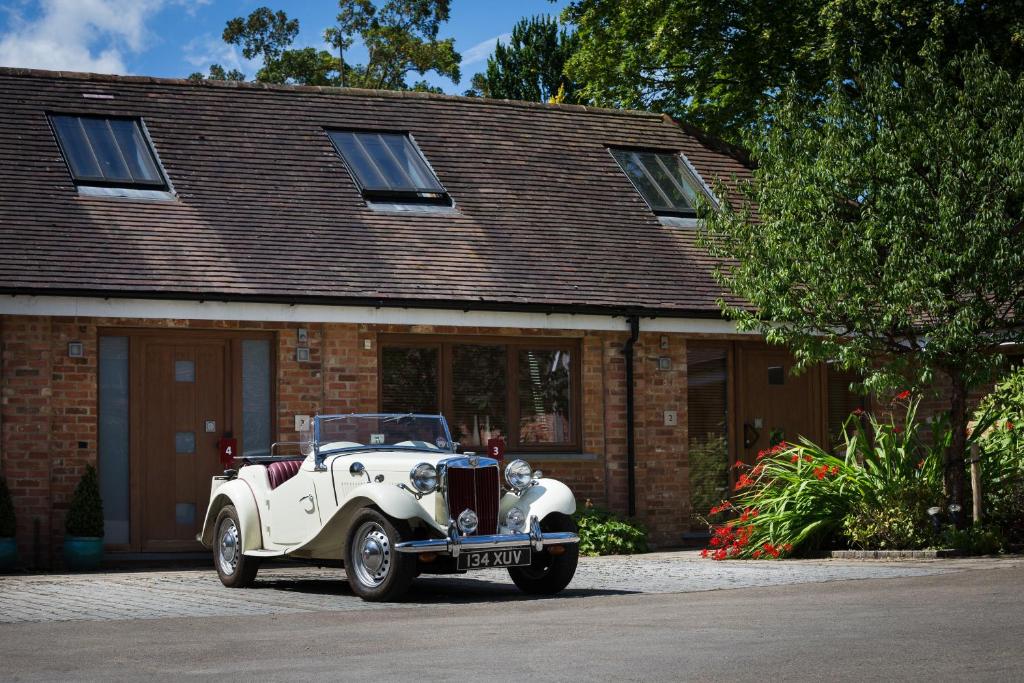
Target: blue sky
(176, 37)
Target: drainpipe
(627, 351)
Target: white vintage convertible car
(390, 497)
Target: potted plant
(8, 547)
(83, 540)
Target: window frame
(689, 172)
(512, 345)
(163, 185)
(444, 197)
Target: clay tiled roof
(265, 209)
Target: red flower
(788, 547)
(794, 458)
(809, 458)
(1009, 425)
(858, 412)
(920, 465)
(757, 554)
(722, 507)
(761, 455)
(903, 395)
(756, 472)
(821, 471)
(719, 555)
(897, 430)
(834, 470)
(715, 542)
(704, 553)
(743, 481)
(739, 464)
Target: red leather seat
(281, 471)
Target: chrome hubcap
(372, 561)
(228, 547)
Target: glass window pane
(366, 173)
(135, 151)
(107, 150)
(185, 514)
(706, 375)
(411, 162)
(544, 396)
(112, 165)
(185, 442)
(664, 181)
(661, 179)
(479, 394)
(113, 437)
(76, 147)
(386, 162)
(409, 379)
(184, 371)
(256, 408)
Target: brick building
(182, 262)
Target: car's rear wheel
(376, 572)
(234, 568)
(549, 573)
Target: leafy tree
(217, 73)
(400, 37)
(714, 63)
(888, 228)
(532, 66)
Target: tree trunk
(954, 460)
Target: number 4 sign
(228, 451)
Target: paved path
(290, 589)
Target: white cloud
(82, 35)
(482, 50)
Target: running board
(265, 553)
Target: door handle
(312, 504)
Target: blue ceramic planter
(82, 553)
(8, 554)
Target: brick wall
(49, 405)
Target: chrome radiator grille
(476, 488)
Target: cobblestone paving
(284, 588)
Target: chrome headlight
(518, 475)
(515, 520)
(424, 478)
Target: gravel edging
(896, 554)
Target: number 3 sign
(496, 448)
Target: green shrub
(999, 421)
(974, 540)
(7, 526)
(801, 497)
(603, 533)
(85, 514)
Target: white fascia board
(162, 309)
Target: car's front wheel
(549, 573)
(234, 568)
(376, 571)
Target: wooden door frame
(137, 338)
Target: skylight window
(662, 179)
(389, 167)
(108, 152)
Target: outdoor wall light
(302, 354)
(76, 349)
(303, 336)
(933, 512)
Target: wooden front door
(182, 410)
(774, 404)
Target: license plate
(486, 559)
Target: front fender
(388, 498)
(235, 492)
(540, 500)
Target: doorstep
(896, 554)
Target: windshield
(335, 433)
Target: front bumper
(456, 543)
